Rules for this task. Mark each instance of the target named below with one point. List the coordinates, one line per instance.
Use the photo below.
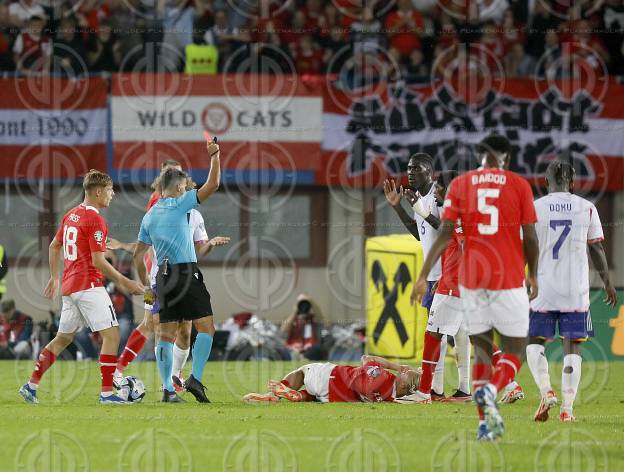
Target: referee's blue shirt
(166, 227)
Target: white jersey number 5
(486, 209)
(70, 250)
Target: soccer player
(181, 292)
(496, 212)
(82, 238)
(326, 382)
(445, 315)
(424, 227)
(566, 226)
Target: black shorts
(181, 293)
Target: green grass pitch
(69, 432)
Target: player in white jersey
(566, 226)
(424, 227)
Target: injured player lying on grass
(326, 382)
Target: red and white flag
(52, 128)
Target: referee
(179, 284)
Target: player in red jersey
(496, 211)
(326, 382)
(82, 238)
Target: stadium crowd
(416, 39)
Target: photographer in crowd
(303, 329)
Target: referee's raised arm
(214, 176)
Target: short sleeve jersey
(150, 256)
(366, 383)
(167, 227)
(492, 205)
(451, 260)
(82, 231)
(428, 233)
(566, 224)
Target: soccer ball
(131, 389)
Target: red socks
(135, 343)
(480, 376)
(497, 353)
(431, 355)
(108, 362)
(505, 371)
(46, 359)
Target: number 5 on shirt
(486, 208)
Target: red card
(207, 136)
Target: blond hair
(163, 166)
(95, 178)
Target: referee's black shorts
(181, 293)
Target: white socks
(462, 351)
(538, 365)
(437, 384)
(570, 379)
(179, 359)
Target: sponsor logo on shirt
(373, 371)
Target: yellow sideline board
(394, 329)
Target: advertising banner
(52, 128)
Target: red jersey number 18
(487, 209)
(70, 250)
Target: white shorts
(316, 379)
(91, 307)
(506, 311)
(445, 315)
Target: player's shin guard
(437, 384)
(462, 351)
(538, 365)
(431, 354)
(481, 374)
(201, 353)
(108, 362)
(570, 379)
(505, 370)
(45, 360)
(164, 359)
(179, 359)
(135, 343)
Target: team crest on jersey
(73, 217)
(373, 371)
(99, 236)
